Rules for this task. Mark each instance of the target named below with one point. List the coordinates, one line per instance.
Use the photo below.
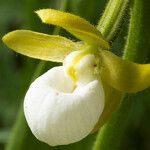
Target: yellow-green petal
(75, 25)
(124, 75)
(39, 45)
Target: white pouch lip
(57, 116)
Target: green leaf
(75, 25)
(39, 45)
(124, 75)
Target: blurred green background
(17, 71)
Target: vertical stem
(136, 49)
(112, 18)
(137, 46)
(21, 137)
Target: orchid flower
(68, 102)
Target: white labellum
(57, 112)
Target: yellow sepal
(40, 46)
(123, 75)
(79, 27)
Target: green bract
(117, 74)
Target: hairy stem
(137, 46)
(112, 18)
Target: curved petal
(124, 75)
(75, 25)
(39, 45)
(60, 117)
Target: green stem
(136, 49)
(112, 18)
(137, 46)
(4, 133)
(21, 137)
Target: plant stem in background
(136, 49)
(112, 18)
(4, 134)
(138, 41)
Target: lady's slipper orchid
(68, 102)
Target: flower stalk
(112, 18)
